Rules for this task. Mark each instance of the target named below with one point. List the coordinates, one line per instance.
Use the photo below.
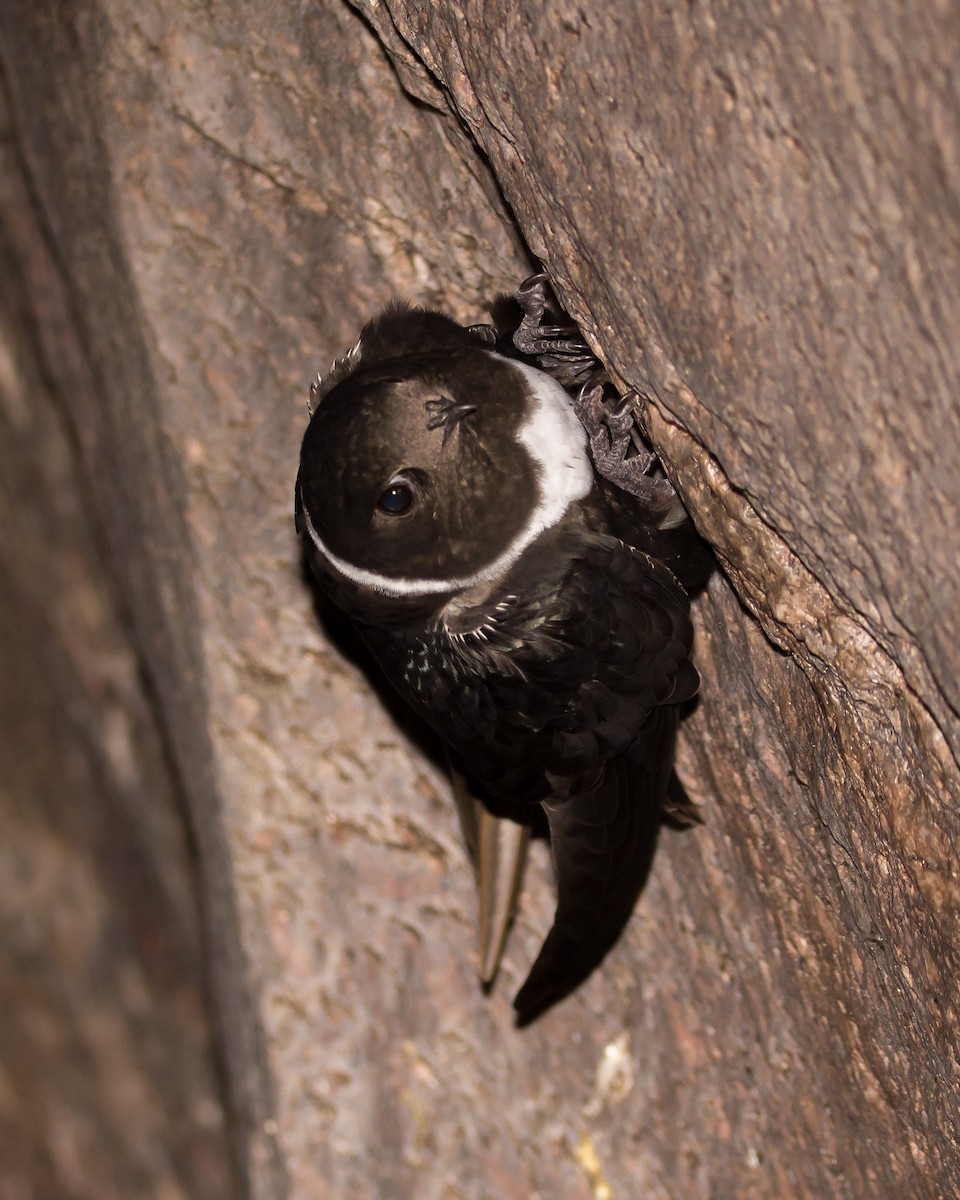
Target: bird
(533, 612)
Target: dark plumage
(528, 609)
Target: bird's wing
(603, 841)
(566, 677)
(564, 691)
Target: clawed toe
(616, 444)
(588, 406)
(612, 423)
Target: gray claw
(612, 429)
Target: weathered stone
(754, 214)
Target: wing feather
(603, 843)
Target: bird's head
(430, 463)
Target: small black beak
(446, 414)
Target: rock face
(755, 216)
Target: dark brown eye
(396, 499)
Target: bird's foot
(558, 345)
(616, 445)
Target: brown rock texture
(754, 214)
(108, 1080)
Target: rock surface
(754, 215)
